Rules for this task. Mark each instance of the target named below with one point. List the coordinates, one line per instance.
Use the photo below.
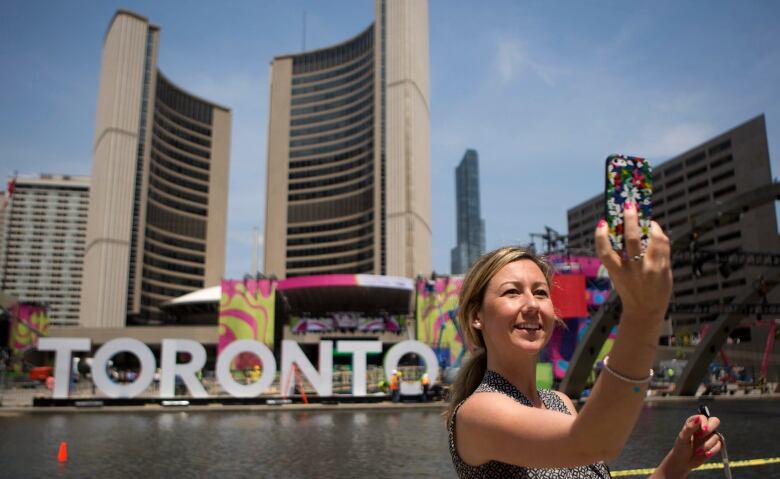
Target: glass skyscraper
(470, 226)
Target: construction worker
(395, 385)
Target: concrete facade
(688, 189)
(349, 155)
(157, 214)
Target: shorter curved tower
(157, 213)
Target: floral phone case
(627, 178)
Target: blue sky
(544, 91)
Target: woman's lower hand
(695, 444)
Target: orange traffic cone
(62, 455)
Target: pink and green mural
(577, 275)
(28, 323)
(246, 311)
(437, 324)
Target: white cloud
(509, 57)
(664, 142)
(246, 238)
(513, 59)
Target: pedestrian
(501, 425)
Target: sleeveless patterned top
(494, 382)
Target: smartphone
(627, 178)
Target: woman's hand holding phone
(642, 277)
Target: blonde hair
(472, 293)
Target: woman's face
(517, 312)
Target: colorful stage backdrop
(585, 279)
(28, 323)
(437, 325)
(246, 311)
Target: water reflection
(340, 443)
(360, 419)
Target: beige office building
(158, 201)
(349, 152)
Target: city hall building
(156, 225)
(348, 182)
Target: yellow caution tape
(712, 465)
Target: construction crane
(552, 241)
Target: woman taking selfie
(501, 425)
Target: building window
(674, 182)
(723, 146)
(724, 191)
(707, 288)
(697, 172)
(672, 169)
(698, 186)
(360, 232)
(730, 236)
(721, 161)
(696, 159)
(699, 200)
(723, 176)
(367, 242)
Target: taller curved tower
(157, 209)
(349, 155)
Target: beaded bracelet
(624, 378)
